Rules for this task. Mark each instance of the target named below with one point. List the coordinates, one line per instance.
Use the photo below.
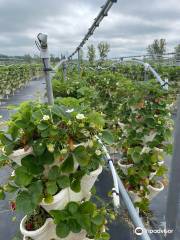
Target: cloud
(129, 27)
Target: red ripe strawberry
(29, 226)
(13, 206)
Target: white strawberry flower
(145, 150)
(46, 117)
(64, 151)
(50, 147)
(98, 152)
(80, 116)
(21, 131)
(69, 122)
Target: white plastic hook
(116, 200)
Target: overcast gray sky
(129, 28)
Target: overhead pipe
(147, 66)
(103, 13)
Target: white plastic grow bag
(67, 195)
(88, 181)
(124, 167)
(154, 191)
(60, 200)
(48, 232)
(17, 155)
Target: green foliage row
(13, 77)
(138, 114)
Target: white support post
(47, 68)
(64, 66)
(79, 66)
(146, 66)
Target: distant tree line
(158, 48)
(103, 50)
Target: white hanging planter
(124, 167)
(154, 190)
(88, 181)
(56, 163)
(17, 155)
(46, 232)
(60, 200)
(79, 196)
(134, 196)
(152, 174)
(75, 236)
(160, 163)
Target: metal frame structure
(147, 66)
(166, 59)
(103, 13)
(145, 55)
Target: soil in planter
(36, 220)
(126, 162)
(28, 238)
(155, 184)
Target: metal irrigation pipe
(114, 176)
(119, 188)
(146, 55)
(147, 66)
(103, 13)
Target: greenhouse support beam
(43, 47)
(173, 199)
